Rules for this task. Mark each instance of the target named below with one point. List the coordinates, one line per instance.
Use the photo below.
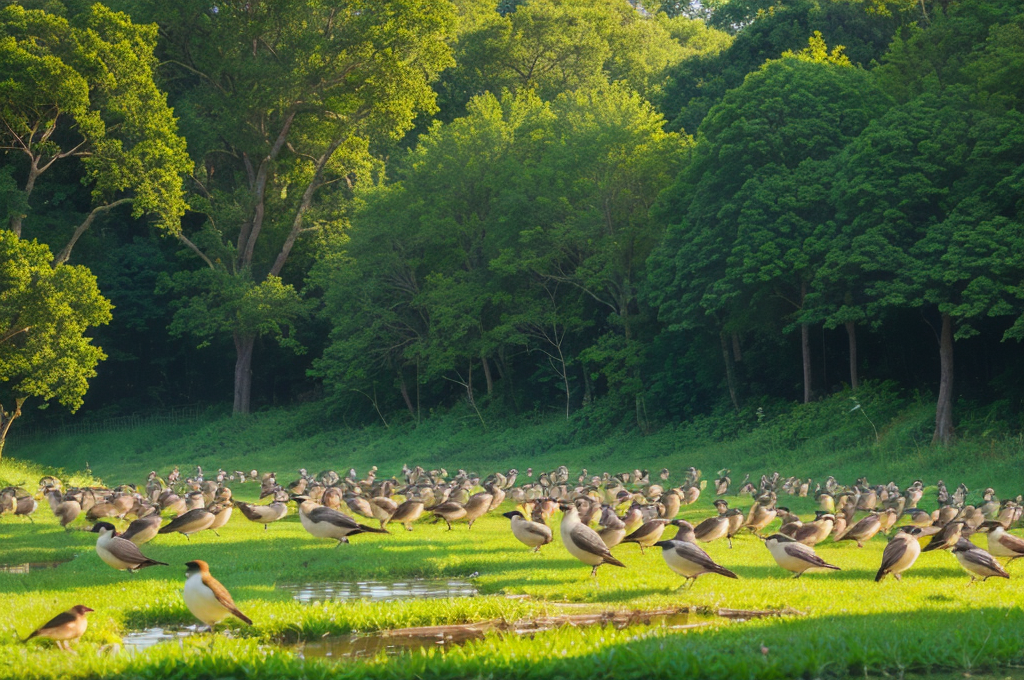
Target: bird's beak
(88, 609)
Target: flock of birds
(598, 513)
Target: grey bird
(531, 534)
(946, 538)
(408, 512)
(143, 529)
(119, 553)
(862, 531)
(686, 558)
(900, 553)
(647, 534)
(191, 522)
(793, 556)
(978, 562)
(583, 543)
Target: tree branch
(65, 254)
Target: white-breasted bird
(1002, 544)
(530, 534)
(978, 562)
(900, 553)
(120, 553)
(324, 522)
(793, 556)
(582, 542)
(206, 598)
(686, 558)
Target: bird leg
(798, 574)
(898, 577)
(730, 540)
(449, 525)
(215, 533)
(593, 572)
(641, 548)
(408, 527)
(537, 550)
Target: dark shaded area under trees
(564, 207)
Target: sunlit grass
(933, 619)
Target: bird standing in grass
(143, 530)
(582, 542)
(64, 628)
(1002, 544)
(647, 534)
(793, 556)
(977, 561)
(686, 558)
(206, 598)
(324, 522)
(266, 514)
(120, 553)
(900, 553)
(530, 534)
(193, 521)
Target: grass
(932, 622)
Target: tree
(749, 215)
(928, 197)
(83, 91)
(282, 101)
(45, 312)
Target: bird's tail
(831, 566)
(880, 575)
(371, 530)
(32, 635)
(152, 563)
(722, 571)
(610, 559)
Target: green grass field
(933, 621)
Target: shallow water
(27, 567)
(379, 591)
(144, 639)
(393, 642)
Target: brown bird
(206, 598)
(65, 627)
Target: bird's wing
(331, 516)
(983, 559)
(1011, 542)
(802, 552)
(126, 551)
(224, 597)
(589, 540)
(644, 529)
(694, 553)
(181, 520)
(894, 551)
(705, 527)
(56, 622)
(538, 529)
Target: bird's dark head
(196, 566)
(299, 499)
(681, 523)
(81, 609)
(513, 514)
(99, 527)
(913, 531)
(733, 512)
(663, 544)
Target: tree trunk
(944, 407)
(243, 372)
(6, 420)
(487, 374)
(805, 350)
(405, 393)
(730, 372)
(736, 354)
(851, 334)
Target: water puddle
(404, 640)
(27, 567)
(379, 591)
(144, 639)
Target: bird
(1002, 544)
(408, 512)
(206, 598)
(793, 556)
(324, 522)
(450, 511)
(647, 534)
(686, 558)
(815, 532)
(862, 531)
(946, 538)
(64, 628)
(977, 561)
(266, 514)
(530, 534)
(613, 529)
(900, 553)
(477, 505)
(143, 529)
(582, 542)
(760, 516)
(189, 523)
(118, 552)
(221, 514)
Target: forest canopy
(625, 213)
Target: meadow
(843, 623)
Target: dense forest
(628, 213)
